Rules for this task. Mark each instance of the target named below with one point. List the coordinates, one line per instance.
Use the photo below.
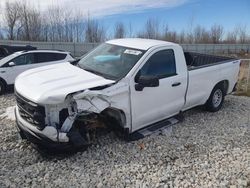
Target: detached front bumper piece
(37, 137)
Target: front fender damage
(93, 111)
(85, 103)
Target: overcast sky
(102, 7)
(178, 14)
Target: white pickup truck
(133, 86)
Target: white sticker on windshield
(133, 52)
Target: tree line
(23, 22)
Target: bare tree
(242, 31)
(216, 33)
(35, 23)
(190, 38)
(30, 23)
(79, 27)
(24, 22)
(198, 34)
(168, 35)
(94, 31)
(206, 37)
(12, 15)
(130, 30)
(181, 37)
(232, 36)
(201, 35)
(67, 27)
(172, 36)
(119, 30)
(44, 30)
(54, 17)
(165, 32)
(189, 35)
(151, 29)
(63, 25)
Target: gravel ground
(205, 150)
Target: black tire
(216, 99)
(22, 135)
(2, 87)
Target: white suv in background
(14, 64)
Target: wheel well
(224, 84)
(3, 81)
(117, 115)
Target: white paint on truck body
(64, 85)
(51, 84)
(158, 103)
(203, 80)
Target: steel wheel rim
(217, 98)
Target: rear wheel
(2, 87)
(216, 99)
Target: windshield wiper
(99, 74)
(93, 71)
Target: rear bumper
(40, 138)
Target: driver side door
(153, 104)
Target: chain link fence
(78, 49)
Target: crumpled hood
(51, 84)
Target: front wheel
(216, 99)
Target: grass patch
(243, 93)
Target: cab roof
(139, 43)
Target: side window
(23, 59)
(60, 56)
(43, 57)
(161, 64)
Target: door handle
(2, 71)
(176, 84)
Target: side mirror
(11, 64)
(146, 81)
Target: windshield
(111, 61)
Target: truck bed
(197, 60)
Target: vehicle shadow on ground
(60, 155)
(56, 156)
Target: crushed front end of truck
(76, 123)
